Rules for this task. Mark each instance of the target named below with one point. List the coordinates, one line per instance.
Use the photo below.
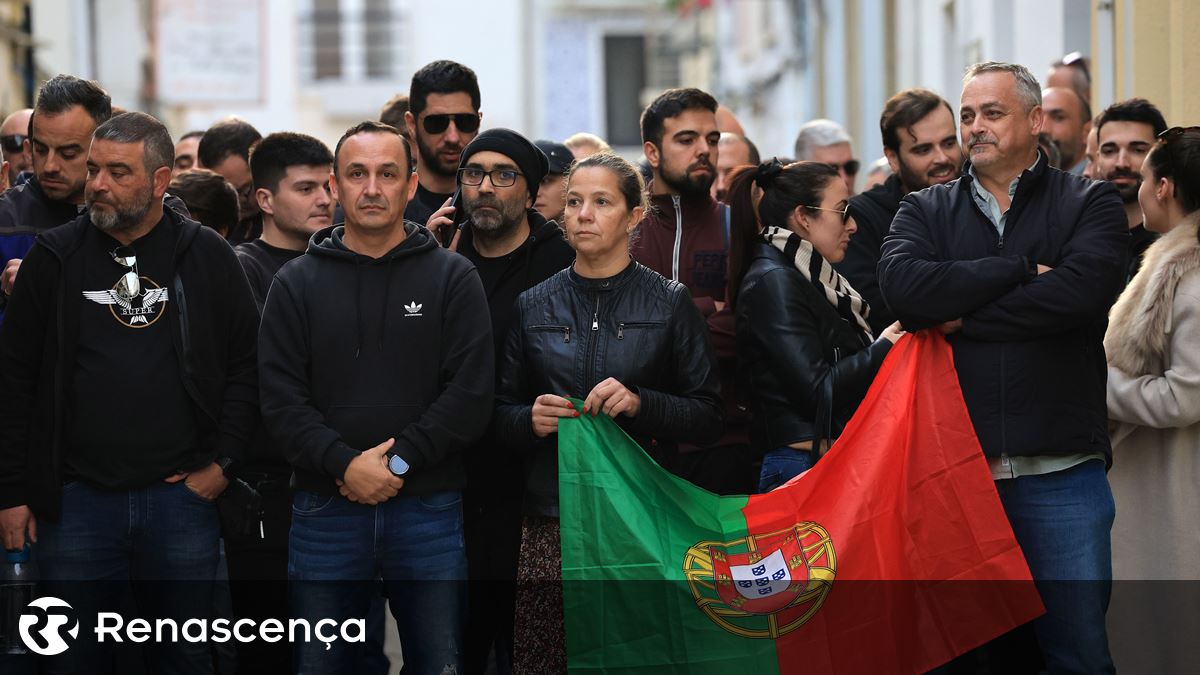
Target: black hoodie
(354, 350)
(872, 211)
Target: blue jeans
(337, 551)
(1063, 522)
(161, 539)
(783, 464)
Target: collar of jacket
(540, 231)
(1028, 176)
(612, 283)
(64, 241)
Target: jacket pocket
(565, 331)
(636, 326)
(365, 426)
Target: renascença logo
(45, 620)
(43, 624)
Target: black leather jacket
(805, 368)
(571, 333)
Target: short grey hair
(820, 133)
(1027, 85)
(137, 127)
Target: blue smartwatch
(396, 464)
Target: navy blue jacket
(1030, 355)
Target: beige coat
(1153, 348)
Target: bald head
(727, 122)
(15, 150)
(1067, 120)
(733, 151)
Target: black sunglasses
(13, 143)
(465, 122)
(129, 285)
(851, 168)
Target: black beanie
(531, 161)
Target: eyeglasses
(129, 286)
(465, 122)
(845, 212)
(851, 168)
(14, 143)
(499, 177)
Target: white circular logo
(43, 624)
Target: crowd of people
(340, 373)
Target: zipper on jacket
(636, 324)
(547, 328)
(678, 238)
(1003, 406)
(593, 341)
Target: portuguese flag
(893, 554)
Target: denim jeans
(1063, 522)
(161, 540)
(337, 551)
(783, 464)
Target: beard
(687, 184)
(501, 218)
(430, 159)
(1129, 193)
(914, 181)
(121, 218)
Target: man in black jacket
(67, 111)
(443, 117)
(377, 375)
(1125, 133)
(1019, 264)
(514, 249)
(128, 385)
(921, 145)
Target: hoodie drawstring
(358, 321)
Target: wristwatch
(396, 464)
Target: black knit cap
(531, 161)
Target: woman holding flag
(624, 342)
(804, 344)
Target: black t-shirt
(261, 261)
(422, 205)
(131, 422)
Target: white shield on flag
(763, 578)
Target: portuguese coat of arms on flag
(891, 555)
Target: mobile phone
(460, 214)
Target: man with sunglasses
(67, 111)
(122, 405)
(13, 140)
(1018, 264)
(443, 117)
(826, 141)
